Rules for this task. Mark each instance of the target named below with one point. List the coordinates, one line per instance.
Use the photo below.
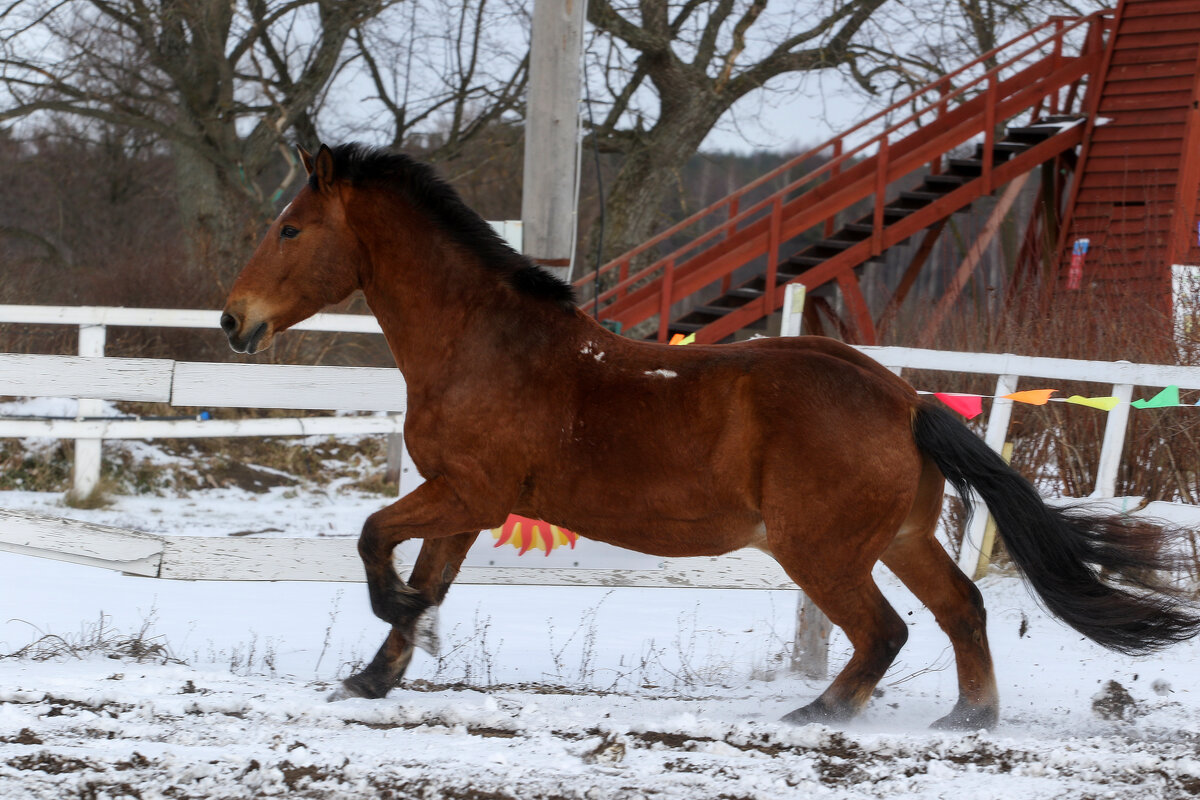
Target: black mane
(421, 185)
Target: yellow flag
(1102, 403)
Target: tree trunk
(636, 204)
(219, 219)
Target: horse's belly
(709, 536)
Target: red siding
(1130, 191)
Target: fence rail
(1009, 370)
(93, 378)
(347, 388)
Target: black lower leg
(385, 670)
(395, 602)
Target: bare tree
(222, 84)
(445, 74)
(916, 43)
(696, 59)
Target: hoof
(815, 712)
(968, 718)
(340, 693)
(364, 684)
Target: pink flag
(969, 405)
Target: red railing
(1037, 73)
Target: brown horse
(800, 447)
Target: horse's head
(308, 259)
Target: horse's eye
(288, 232)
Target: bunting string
(971, 405)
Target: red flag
(969, 405)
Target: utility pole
(552, 134)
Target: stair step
(1059, 118)
(1001, 151)
(744, 292)
(861, 229)
(1032, 133)
(1010, 148)
(710, 310)
(780, 277)
(731, 302)
(968, 167)
(806, 261)
(945, 183)
(890, 214)
(918, 199)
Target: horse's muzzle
(242, 343)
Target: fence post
(395, 457)
(88, 451)
(793, 309)
(810, 654)
(1114, 442)
(810, 650)
(997, 432)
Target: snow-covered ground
(538, 693)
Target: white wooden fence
(276, 386)
(363, 389)
(1010, 370)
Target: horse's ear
(306, 159)
(322, 171)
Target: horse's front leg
(436, 568)
(432, 512)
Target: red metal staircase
(917, 170)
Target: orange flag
(1035, 397)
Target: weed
(333, 615)
(472, 655)
(27, 465)
(99, 638)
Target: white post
(810, 654)
(87, 451)
(1114, 442)
(791, 323)
(810, 651)
(997, 432)
(548, 196)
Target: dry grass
(1059, 444)
(99, 638)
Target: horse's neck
(437, 306)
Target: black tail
(1097, 573)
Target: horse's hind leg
(923, 565)
(855, 604)
(435, 569)
(920, 562)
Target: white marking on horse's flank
(662, 373)
(588, 351)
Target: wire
(201, 417)
(600, 191)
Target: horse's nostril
(228, 322)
